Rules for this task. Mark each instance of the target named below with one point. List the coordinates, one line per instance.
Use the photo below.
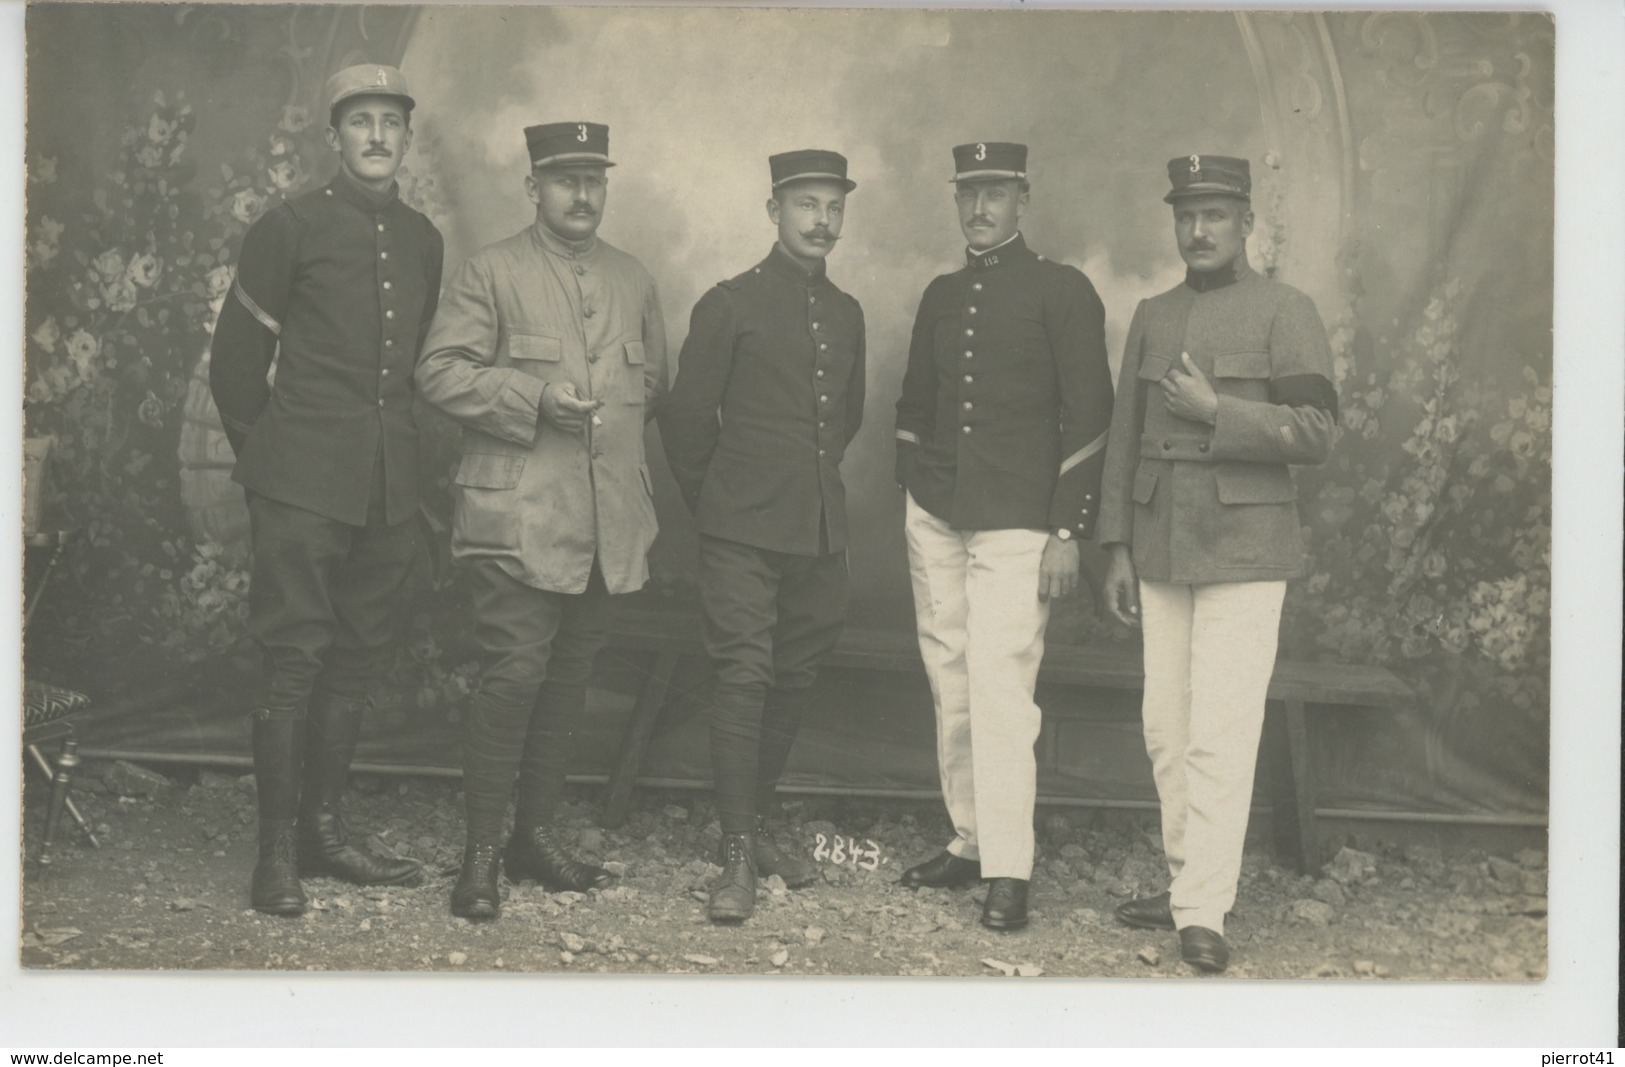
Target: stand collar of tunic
(1229, 274)
(557, 245)
(992, 257)
(347, 188)
(787, 267)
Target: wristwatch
(1064, 534)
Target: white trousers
(1209, 655)
(981, 628)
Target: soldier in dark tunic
(1001, 432)
(778, 353)
(337, 287)
(1226, 380)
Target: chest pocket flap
(1254, 483)
(634, 352)
(1241, 365)
(535, 346)
(1154, 368)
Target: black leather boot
(733, 895)
(278, 746)
(771, 860)
(540, 856)
(324, 846)
(476, 895)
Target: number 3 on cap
(1196, 164)
(981, 152)
(581, 134)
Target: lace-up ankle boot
(540, 856)
(733, 895)
(476, 896)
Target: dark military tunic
(1201, 503)
(769, 393)
(1007, 397)
(345, 282)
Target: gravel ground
(168, 889)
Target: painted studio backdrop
(1403, 178)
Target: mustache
(980, 220)
(582, 209)
(819, 234)
(1200, 246)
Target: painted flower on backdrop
(46, 244)
(82, 350)
(119, 294)
(285, 174)
(42, 170)
(294, 119)
(150, 155)
(218, 281)
(144, 270)
(151, 411)
(110, 264)
(159, 129)
(247, 205)
(47, 334)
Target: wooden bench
(660, 640)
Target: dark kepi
(809, 164)
(989, 161)
(560, 144)
(1198, 175)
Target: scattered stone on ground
(168, 890)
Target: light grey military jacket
(1201, 503)
(521, 314)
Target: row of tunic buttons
(823, 346)
(970, 331)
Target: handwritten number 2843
(838, 849)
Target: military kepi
(809, 164)
(989, 161)
(1198, 175)
(559, 144)
(367, 79)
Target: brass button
(823, 399)
(969, 379)
(977, 286)
(815, 326)
(967, 405)
(968, 353)
(966, 429)
(384, 372)
(1167, 446)
(970, 332)
(389, 314)
(820, 374)
(380, 227)
(389, 342)
(1201, 448)
(971, 310)
(383, 255)
(380, 401)
(389, 285)
(822, 347)
(580, 269)
(821, 452)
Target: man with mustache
(1001, 430)
(344, 281)
(769, 393)
(1226, 380)
(550, 350)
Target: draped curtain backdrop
(1403, 177)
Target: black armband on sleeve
(1305, 390)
